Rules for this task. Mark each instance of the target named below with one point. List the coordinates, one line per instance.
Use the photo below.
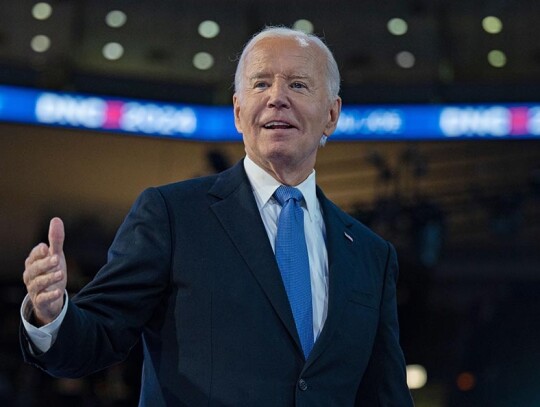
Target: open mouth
(277, 125)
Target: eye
(260, 85)
(298, 85)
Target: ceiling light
(496, 58)
(208, 29)
(40, 43)
(113, 51)
(203, 61)
(304, 26)
(41, 11)
(115, 18)
(397, 26)
(405, 59)
(492, 25)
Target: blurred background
(463, 213)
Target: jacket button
(302, 385)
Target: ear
(333, 117)
(236, 106)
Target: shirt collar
(264, 186)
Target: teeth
(275, 124)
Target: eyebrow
(263, 75)
(259, 76)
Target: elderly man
(247, 288)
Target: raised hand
(45, 275)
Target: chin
(282, 158)
(280, 148)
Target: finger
(38, 252)
(45, 298)
(38, 267)
(56, 236)
(45, 283)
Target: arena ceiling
(445, 42)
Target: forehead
(284, 55)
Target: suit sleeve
(105, 320)
(384, 383)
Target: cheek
(244, 122)
(316, 124)
(248, 117)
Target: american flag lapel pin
(348, 237)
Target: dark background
(464, 215)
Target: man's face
(283, 107)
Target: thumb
(56, 236)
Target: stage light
(492, 25)
(416, 376)
(304, 26)
(41, 11)
(397, 26)
(113, 51)
(40, 43)
(496, 58)
(115, 18)
(208, 29)
(203, 61)
(466, 381)
(405, 59)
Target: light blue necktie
(293, 261)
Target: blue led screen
(215, 123)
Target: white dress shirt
(43, 337)
(264, 186)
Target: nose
(278, 97)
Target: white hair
(332, 71)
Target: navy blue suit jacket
(192, 272)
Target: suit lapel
(340, 243)
(239, 215)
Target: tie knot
(285, 193)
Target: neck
(289, 178)
(286, 174)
